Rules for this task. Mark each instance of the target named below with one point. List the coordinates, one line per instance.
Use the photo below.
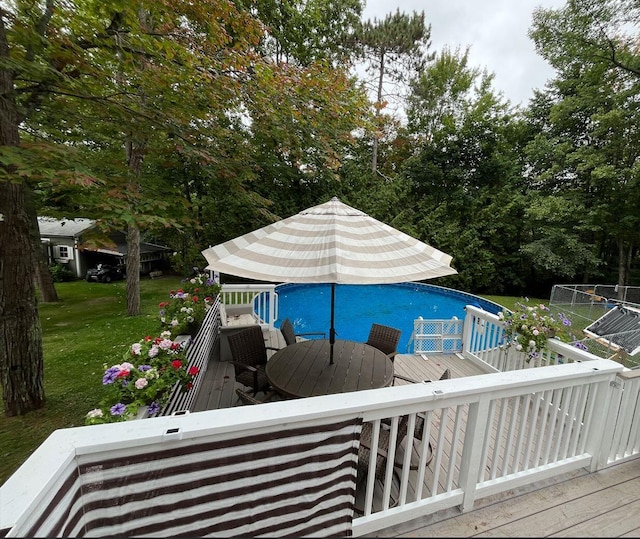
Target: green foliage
(587, 151)
(61, 273)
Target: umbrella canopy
(329, 243)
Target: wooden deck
(577, 504)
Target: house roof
(74, 228)
(68, 228)
(121, 249)
(619, 327)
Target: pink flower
(135, 349)
(141, 383)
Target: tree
(395, 47)
(465, 172)
(311, 31)
(594, 31)
(59, 59)
(592, 124)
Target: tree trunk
(133, 270)
(135, 155)
(44, 280)
(21, 364)
(374, 157)
(622, 266)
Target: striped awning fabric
(296, 481)
(329, 243)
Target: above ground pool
(308, 306)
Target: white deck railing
(490, 433)
(483, 335)
(259, 299)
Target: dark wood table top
(303, 369)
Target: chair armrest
(244, 366)
(323, 333)
(409, 379)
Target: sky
(495, 30)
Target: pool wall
(308, 307)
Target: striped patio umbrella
(329, 243)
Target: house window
(63, 252)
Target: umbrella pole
(332, 330)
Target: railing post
(467, 329)
(602, 427)
(474, 440)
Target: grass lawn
(87, 329)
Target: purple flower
(153, 409)
(566, 322)
(144, 368)
(118, 409)
(110, 375)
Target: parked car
(104, 273)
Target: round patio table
(303, 369)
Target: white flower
(532, 345)
(96, 412)
(536, 332)
(519, 347)
(165, 334)
(141, 383)
(153, 351)
(135, 349)
(126, 366)
(174, 322)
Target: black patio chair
(249, 358)
(289, 334)
(385, 339)
(246, 398)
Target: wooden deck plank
(535, 509)
(617, 521)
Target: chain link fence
(583, 304)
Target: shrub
(61, 273)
